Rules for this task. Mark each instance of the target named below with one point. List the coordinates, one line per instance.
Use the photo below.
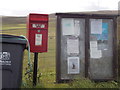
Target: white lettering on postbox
(38, 25)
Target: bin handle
(29, 61)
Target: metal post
(35, 69)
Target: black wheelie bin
(11, 57)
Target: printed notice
(68, 26)
(96, 26)
(77, 27)
(38, 39)
(96, 54)
(72, 46)
(93, 45)
(73, 65)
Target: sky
(24, 7)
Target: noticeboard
(86, 47)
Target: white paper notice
(96, 26)
(38, 39)
(96, 54)
(77, 27)
(72, 46)
(93, 45)
(73, 65)
(68, 26)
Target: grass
(46, 65)
(13, 26)
(86, 83)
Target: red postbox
(38, 32)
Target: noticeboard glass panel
(101, 49)
(72, 48)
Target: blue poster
(104, 35)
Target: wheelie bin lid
(4, 38)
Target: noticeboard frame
(87, 17)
